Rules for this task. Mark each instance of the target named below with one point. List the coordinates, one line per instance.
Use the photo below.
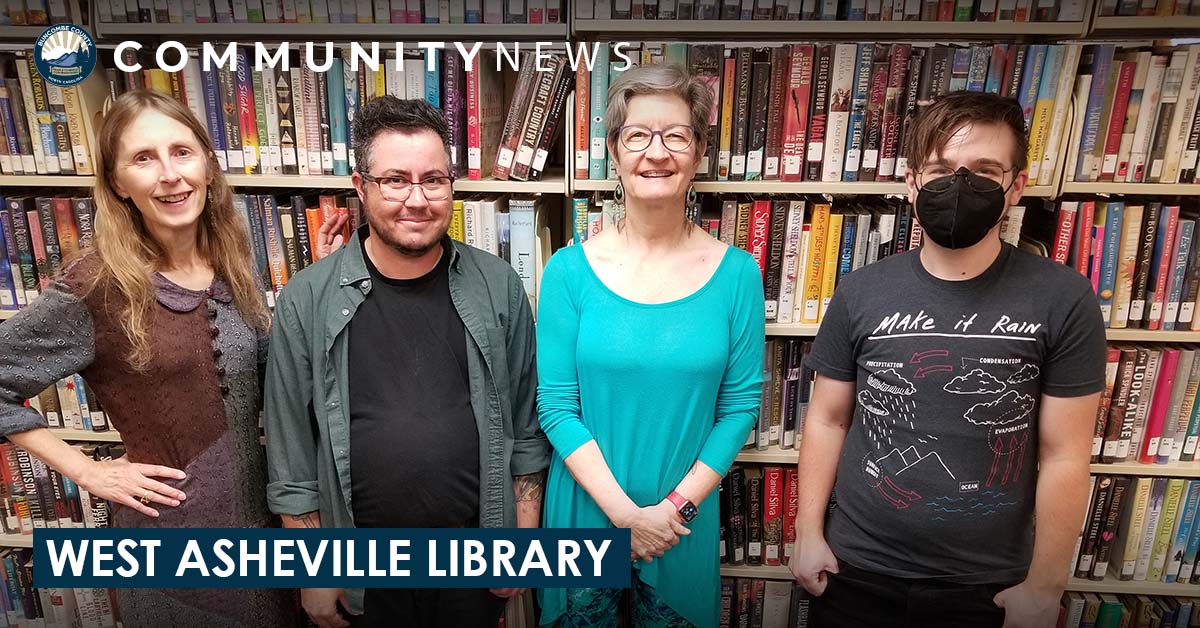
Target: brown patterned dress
(195, 408)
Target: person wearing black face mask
(958, 210)
(956, 392)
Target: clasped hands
(653, 529)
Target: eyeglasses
(675, 138)
(988, 177)
(398, 189)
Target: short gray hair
(670, 80)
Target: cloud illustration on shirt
(1027, 373)
(871, 403)
(977, 382)
(1009, 408)
(890, 381)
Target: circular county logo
(64, 54)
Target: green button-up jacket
(306, 418)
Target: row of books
(37, 233)
(1109, 610)
(26, 606)
(297, 121)
(70, 404)
(759, 603)
(1136, 115)
(331, 11)
(1141, 529)
(787, 384)
(836, 112)
(1148, 412)
(853, 10)
(34, 496)
(34, 13)
(1141, 256)
(44, 128)
(758, 514)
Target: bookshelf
(770, 572)
(111, 436)
(1146, 335)
(551, 183)
(16, 540)
(20, 34)
(778, 456)
(771, 455)
(47, 180)
(781, 187)
(216, 32)
(811, 30)
(1164, 189)
(1173, 470)
(1140, 26)
(1113, 585)
(556, 182)
(1115, 335)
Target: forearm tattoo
(308, 519)
(529, 488)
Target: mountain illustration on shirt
(884, 473)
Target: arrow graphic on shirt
(932, 353)
(936, 368)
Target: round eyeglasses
(398, 189)
(676, 138)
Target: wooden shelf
(551, 184)
(1112, 585)
(47, 180)
(1146, 335)
(771, 455)
(1164, 189)
(21, 34)
(16, 540)
(1116, 335)
(724, 30)
(768, 187)
(761, 571)
(792, 329)
(1140, 26)
(1174, 470)
(111, 436)
(781, 187)
(217, 32)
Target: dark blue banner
(306, 558)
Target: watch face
(688, 512)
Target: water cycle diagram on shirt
(995, 396)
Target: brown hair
(129, 254)
(930, 130)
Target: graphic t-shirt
(938, 473)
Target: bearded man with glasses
(955, 398)
(400, 386)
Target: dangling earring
(691, 195)
(619, 194)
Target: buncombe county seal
(64, 54)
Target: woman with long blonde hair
(164, 318)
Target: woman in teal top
(650, 354)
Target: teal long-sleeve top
(658, 387)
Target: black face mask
(956, 211)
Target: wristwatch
(687, 510)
